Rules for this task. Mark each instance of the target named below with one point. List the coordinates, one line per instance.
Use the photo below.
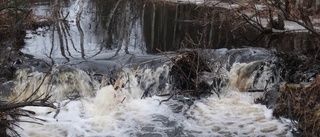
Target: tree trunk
(175, 26)
(152, 26)
(127, 27)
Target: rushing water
(90, 105)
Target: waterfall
(130, 105)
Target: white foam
(121, 112)
(234, 114)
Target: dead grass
(301, 104)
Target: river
(82, 57)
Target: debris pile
(186, 74)
(301, 104)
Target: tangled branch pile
(186, 73)
(301, 104)
(10, 112)
(13, 15)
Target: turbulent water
(98, 94)
(88, 106)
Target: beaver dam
(161, 68)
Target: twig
(57, 112)
(65, 18)
(156, 59)
(166, 99)
(10, 129)
(123, 99)
(80, 11)
(38, 88)
(145, 93)
(287, 17)
(185, 76)
(252, 22)
(7, 107)
(31, 117)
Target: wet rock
(246, 55)
(149, 135)
(269, 129)
(271, 98)
(216, 129)
(148, 129)
(165, 121)
(177, 132)
(229, 123)
(226, 134)
(259, 118)
(178, 109)
(5, 89)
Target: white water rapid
(90, 107)
(121, 112)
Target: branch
(287, 17)
(184, 75)
(80, 11)
(252, 22)
(303, 25)
(11, 7)
(7, 107)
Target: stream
(97, 109)
(75, 61)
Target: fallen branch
(304, 17)
(165, 100)
(7, 107)
(145, 93)
(79, 11)
(57, 112)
